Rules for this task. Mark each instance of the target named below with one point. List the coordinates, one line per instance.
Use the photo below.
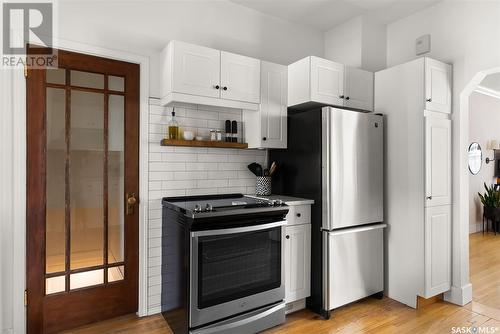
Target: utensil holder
(263, 186)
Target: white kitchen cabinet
(240, 78)
(199, 75)
(417, 184)
(316, 81)
(297, 262)
(327, 81)
(195, 70)
(358, 89)
(267, 127)
(437, 250)
(437, 161)
(437, 86)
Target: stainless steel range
(222, 264)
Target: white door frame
(19, 180)
(461, 290)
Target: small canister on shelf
(213, 135)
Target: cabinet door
(196, 70)
(437, 161)
(358, 89)
(297, 262)
(240, 78)
(327, 82)
(437, 86)
(273, 105)
(437, 250)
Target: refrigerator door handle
(358, 229)
(325, 164)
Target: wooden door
(82, 167)
(327, 82)
(297, 262)
(358, 89)
(437, 86)
(240, 78)
(437, 250)
(196, 70)
(273, 106)
(437, 161)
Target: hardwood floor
(376, 316)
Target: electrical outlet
(423, 45)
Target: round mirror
(475, 158)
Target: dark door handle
(264, 138)
(429, 100)
(298, 215)
(288, 237)
(347, 98)
(341, 96)
(216, 86)
(225, 88)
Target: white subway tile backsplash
(180, 171)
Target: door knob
(347, 98)
(225, 88)
(216, 86)
(288, 237)
(131, 200)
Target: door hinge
(25, 297)
(25, 70)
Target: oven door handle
(238, 229)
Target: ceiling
(325, 14)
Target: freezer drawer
(354, 264)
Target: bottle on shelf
(173, 127)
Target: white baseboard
(459, 295)
(295, 306)
(474, 228)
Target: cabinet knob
(341, 96)
(264, 138)
(225, 88)
(347, 98)
(216, 86)
(298, 215)
(429, 100)
(429, 198)
(288, 237)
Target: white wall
(145, 27)
(181, 171)
(343, 43)
(466, 34)
(359, 42)
(483, 127)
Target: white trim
(173, 98)
(487, 91)
(20, 183)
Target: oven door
(235, 270)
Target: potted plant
(491, 203)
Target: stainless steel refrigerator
(335, 156)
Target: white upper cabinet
(240, 78)
(437, 161)
(437, 86)
(437, 250)
(358, 89)
(327, 81)
(321, 81)
(196, 70)
(267, 127)
(200, 75)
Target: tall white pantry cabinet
(415, 99)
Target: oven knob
(209, 207)
(197, 208)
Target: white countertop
(288, 199)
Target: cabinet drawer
(299, 214)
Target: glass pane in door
(55, 184)
(116, 173)
(86, 181)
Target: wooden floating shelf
(202, 143)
